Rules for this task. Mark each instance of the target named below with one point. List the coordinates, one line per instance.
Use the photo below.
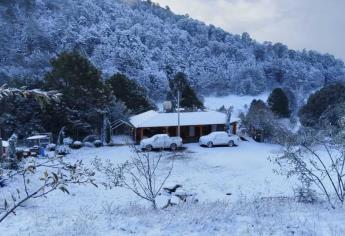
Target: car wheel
(209, 144)
(148, 148)
(231, 143)
(173, 147)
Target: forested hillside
(149, 43)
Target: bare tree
(142, 174)
(53, 174)
(318, 161)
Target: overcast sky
(310, 24)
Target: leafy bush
(88, 144)
(319, 103)
(98, 143)
(67, 141)
(51, 147)
(305, 195)
(63, 150)
(261, 119)
(76, 145)
(278, 102)
(90, 138)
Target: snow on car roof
(158, 119)
(37, 137)
(217, 132)
(5, 144)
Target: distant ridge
(150, 43)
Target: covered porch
(189, 134)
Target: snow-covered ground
(260, 201)
(236, 101)
(237, 189)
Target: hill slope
(150, 43)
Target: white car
(219, 139)
(161, 141)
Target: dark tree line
(324, 107)
(87, 99)
(324, 110)
(188, 98)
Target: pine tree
(130, 93)
(260, 120)
(188, 97)
(106, 131)
(278, 102)
(229, 112)
(85, 95)
(12, 152)
(320, 103)
(20, 115)
(61, 137)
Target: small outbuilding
(40, 140)
(5, 145)
(193, 125)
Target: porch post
(135, 135)
(141, 133)
(234, 128)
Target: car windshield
(215, 134)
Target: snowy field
(238, 102)
(260, 203)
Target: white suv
(218, 139)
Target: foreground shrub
(67, 141)
(51, 147)
(88, 144)
(316, 161)
(63, 150)
(76, 145)
(90, 138)
(98, 143)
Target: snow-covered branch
(40, 179)
(39, 95)
(142, 174)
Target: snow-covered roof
(5, 144)
(157, 119)
(37, 137)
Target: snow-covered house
(193, 124)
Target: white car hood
(146, 141)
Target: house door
(197, 132)
(172, 131)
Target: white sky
(310, 24)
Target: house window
(191, 131)
(220, 128)
(214, 128)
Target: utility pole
(228, 119)
(178, 114)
